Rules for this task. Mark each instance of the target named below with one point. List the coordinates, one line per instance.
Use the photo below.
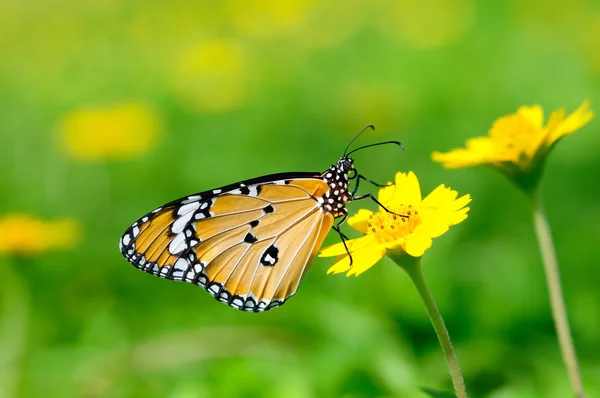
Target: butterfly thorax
(337, 177)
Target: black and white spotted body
(338, 177)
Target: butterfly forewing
(248, 244)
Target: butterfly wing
(248, 244)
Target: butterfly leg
(344, 238)
(370, 196)
(362, 177)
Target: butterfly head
(346, 165)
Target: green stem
(413, 269)
(14, 323)
(557, 303)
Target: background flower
(518, 144)
(111, 132)
(24, 234)
(211, 76)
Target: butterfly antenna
(377, 144)
(368, 126)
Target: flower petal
(361, 260)
(444, 199)
(360, 220)
(408, 191)
(386, 194)
(364, 250)
(534, 114)
(340, 264)
(353, 245)
(434, 227)
(416, 244)
(479, 150)
(573, 122)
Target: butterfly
(248, 244)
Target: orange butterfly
(250, 243)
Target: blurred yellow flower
(26, 234)
(426, 219)
(211, 76)
(113, 132)
(428, 23)
(518, 144)
(267, 18)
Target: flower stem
(14, 322)
(413, 269)
(559, 313)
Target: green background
(85, 323)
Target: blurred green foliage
(245, 88)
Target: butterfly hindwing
(248, 244)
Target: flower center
(388, 227)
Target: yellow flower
(264, 19)
(211, 76)
(426, 219)
(25, 234)
(118, 131)
(427, 24)
(518, 144)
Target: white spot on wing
(178, 244)
(213, 289)
(237, 302)
(180, 224)
(181, 264)
(187, 208)
(126, 239)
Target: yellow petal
(360, 220)
(461, 202)
(416, 244)
(408, 191)
(362, 260)
(479, 150)
(386, 194)
(439, 197)
(444, 199)
(339, 265)
(353, 245)
(573, 122)
(433, 228)
(534, 114)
